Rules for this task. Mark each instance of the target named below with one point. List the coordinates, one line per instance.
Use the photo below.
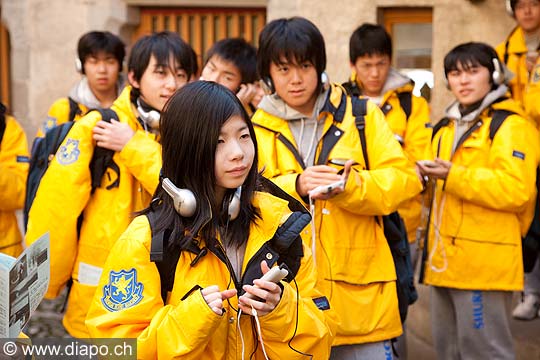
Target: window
(202, 27)
(411, 30)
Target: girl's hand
(214, 298)
(268, 292)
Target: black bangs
(295, 40)
(469, 55)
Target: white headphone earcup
(234, 206)
(184, 201)
(324, 80)
(187, 204)
(498, 72)
(78, 65)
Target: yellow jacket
(185, 327)
(13, 171)
(414, 135)
(64, 193)
(513, 53)
(475, 234)
(354, 263)
(59, 113)
(532, 95)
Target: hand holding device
(275, 275)
(427, 163)
(326, 189)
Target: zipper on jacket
(222, 255)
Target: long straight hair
(190, 127)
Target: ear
(132, 81)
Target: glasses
(522, 5)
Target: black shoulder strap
(438, 126)
(359, 109)
(352, 88)
(507, 44)
(165, 261)
(497, 120)
(74, 109)
(102, 159)
(405, 101)
(2, 121)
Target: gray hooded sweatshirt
(307, 131)
(464, 122)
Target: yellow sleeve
(506, 183)
(161, 331)
(418, 134)
(13, 166)
(316, 328)
(142, 156)
(390, 179)
(61, 197)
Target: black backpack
(531, 242)
(394, 228)
(285, 246)
(44, 149)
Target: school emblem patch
(123, 291)
(49, 123)
(536, 74)
(68, 153)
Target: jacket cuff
(454, 177)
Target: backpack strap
(2, 121)
(352, 88)
(439, 125)
(507, 44)
(405, 101)
(497, 120)
(359, 110)
(74, 109)
(102, 159)
(166, 265)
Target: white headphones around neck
(185, 203)
(151, 117)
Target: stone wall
(44, 36)
(454, 22)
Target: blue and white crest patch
(49, 123)
(68, 153)
(123, 291)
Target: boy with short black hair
(100, 58)
(233, 64)
(370, 55)
(307, 136)
(486, 154)
(159, 64)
